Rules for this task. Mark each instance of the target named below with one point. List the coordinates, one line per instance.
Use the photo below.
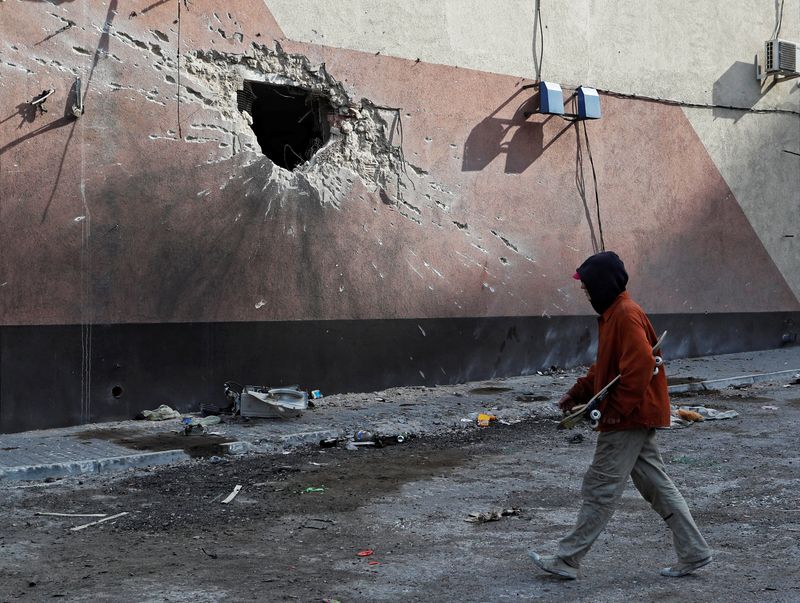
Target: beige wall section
(492, 35)
(750, 152)
(699, 51)
(691, 50)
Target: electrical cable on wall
(779, 21)
(665, 101)
(691, 105)
(596, 193)
(538, 65)
(581, 185)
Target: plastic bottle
(363, 436)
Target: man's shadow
(487, 140)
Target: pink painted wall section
(115, 219)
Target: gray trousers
(618, 455)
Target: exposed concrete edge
(715, 384)
(71, 468)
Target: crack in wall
(507, 243)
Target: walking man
(626, 444)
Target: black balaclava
(604, 277)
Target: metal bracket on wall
(77, 105)
(38, 101)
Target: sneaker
(554, 565)
(681, 569)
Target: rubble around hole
(360, 141)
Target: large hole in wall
(290, 123)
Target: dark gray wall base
(55, 376)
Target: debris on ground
(686, 415)
(495, 515)
(208, 410)
(232, 495)
(71, 514)
(365, 553)
(162, 413)
(363, 436)
(199, 424)
(769, 407)
(484, 419)
(553, 370)
(367, 438)
(312, 489)
(318, 524)
(272, 403)
(99, 521)
(689, 415)
(576, 439)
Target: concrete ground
(407, 503)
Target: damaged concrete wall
(700, 55)
(150, 251)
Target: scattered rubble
(495, 515)
(162, 413)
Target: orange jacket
(625, 343)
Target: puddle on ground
(193, 445)
(488, 390)
(530, 397)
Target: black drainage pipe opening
(116, 391)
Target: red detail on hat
(576, 276)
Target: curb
(715, 384)
(73, 468)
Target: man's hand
(566, 403)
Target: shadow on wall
(737, 87)
(487, 140)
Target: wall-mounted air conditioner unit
(780, 56)
(778, 62)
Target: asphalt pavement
(416, 411)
